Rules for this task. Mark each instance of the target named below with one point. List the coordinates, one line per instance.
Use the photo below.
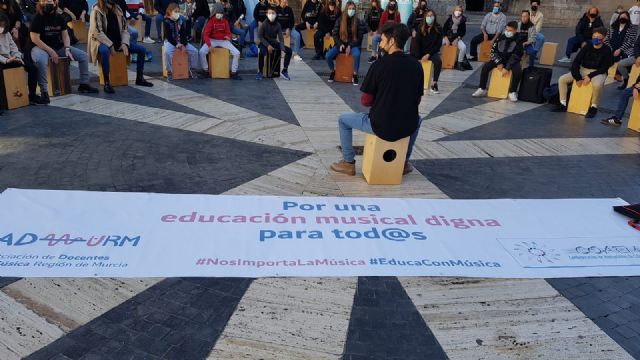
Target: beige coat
(98, 31)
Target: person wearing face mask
(589, 21)
(310, 14)
(271, 39)
(176, 38)
(259, 16)
(18, 30)
(326, 23)
(285, 17)
(391, 14)
(428, 44)
(108, 34)
(417, 18)
(635, 13)
(591, 65)
(492, 26)
(454, 29)
(616, 14)
(373, 16)
(527, 35)
(11, 57)
(347, 34)
(393, 88)
(506, 53)
(51, 41)
(537, 18)
(621, 39)
(217, 33)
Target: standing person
(391, 14)
(347, 35)
(259, 16)
(218, 34)
(621, 39)
(199, 17)
(491, 28)
(589, 21)
(176, 38)
(591, 65)
(527, 36)
(161, 9)
(271, 39)
(108, 34)
(428, 44)
(454, 30)
(326, 23)
(285, 17)
(537, 18)
(18, 30)
(51, 41)
(505, 56)
(310, 13)
(393, 88)
(135, 8)
(11, 57)
(635, 13)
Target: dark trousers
(573, 44)
(475, 42)
(32, 79)
(318, 41)
(516, 74)
(437, 66)
(264, 51)
(302, 27)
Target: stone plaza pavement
(279, 137)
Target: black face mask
(534, 8)
(624, 21)
(593, 16)
(49, 8)
(392, 7)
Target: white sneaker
(148, 40)
(479, 93)
(513, 96)
(565, 60)
(297, 57)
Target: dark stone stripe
(179, 318)
(4, 281)
(385, 324)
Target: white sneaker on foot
(479, 93)
(565, 60)
(297, 57)
(513, 96)
(148, 40)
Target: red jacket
(385, 18)
(216, 30)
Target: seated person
(373, 17)
(428, 44)
(218, 34)
(11, 57)
(492, 26)
(326, 23)
(527, 36)
(75, 10)
(234, 23)
(161, 8)
(616, 119)
(589, 21)
(416, 19)
(393, 88)
(284, 14)
(136, 11)
(454, 29)
(201, 13)
(271, 39)
(621, 39)
(391, 14)
(537, 18)
(591, 65)
(51, 41)
(18, 30)
(506, 54)
(176, 38)
(348, 33)
(108, 34)
(310, 14)
(259, 16)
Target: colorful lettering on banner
(160, 235)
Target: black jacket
(202, 9)
(238, 8)
(585, 28)
(415, 20)
(271, 33)
(429, 43)
(260, 11)
(373, 19)
(285, 18)
(171, 31)
(326, 22)
(507, 51)
(311, 12)
(591, 58)
(448, 26)
(362, 29)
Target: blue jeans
(295, 40)
(573, 44)
(375, 42)
(531, 51)
(198, 25)
(252, 29)
(332, 54)
(623, 102)
(104, 52)
(539, 42)
(240, 32)
(360, 121)
(159, 20)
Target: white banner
(89, 234)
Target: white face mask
(175, 16)
(351, 12)
(508, 34)
(271, 17)
(457, 13)
(1, 30)
(219, 16)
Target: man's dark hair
(399, 32)
(600, 30)
(534, 1)
(512, 24)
